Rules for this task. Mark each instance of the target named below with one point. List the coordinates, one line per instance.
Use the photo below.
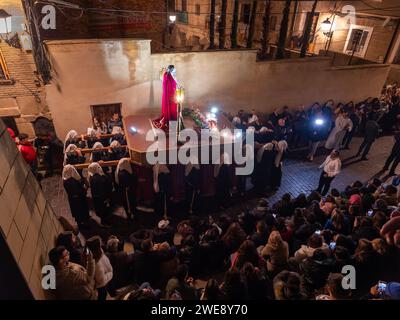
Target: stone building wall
(27, 222)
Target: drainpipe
(392, 42)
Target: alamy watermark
(227, 146)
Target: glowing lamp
(5, 22)
(214, 110)
(327, 27)
(319, 122)
(172, 18)
(180, 95)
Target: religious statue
(171, 99)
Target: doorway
(104, 112)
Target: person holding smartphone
(331, 168)
(385, 290)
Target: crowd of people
(294, 249)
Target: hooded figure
(162, 187)
(72, 137)
(72, 155)
(126, 181)
(101, 188)
(192, 181)
(91, 138)
(222, 176)
(116, 152)
(277, 167)
(265, 162)
(76, 190)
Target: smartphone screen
(370, 213)
(318, 232)
(381, 286)
(332, 245)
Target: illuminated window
(357, 40)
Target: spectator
(181, 283)
(334, 289)
(276, 252)
(212, 292)
(104, 270)
(76, 190)
(74, 282)
(331, 168)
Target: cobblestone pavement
(298, 175)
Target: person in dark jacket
(101, 188)
(115, 121)
(163, 232)
(355, 119)
(394, 157)
(121, 262)
(76, 190)
(68, 240)
(371, 134)
(127, 182)
(147, 261)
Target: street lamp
(327, 27)
(172, 18)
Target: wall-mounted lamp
(172, 18)
(327, 27)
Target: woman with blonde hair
(276, 252)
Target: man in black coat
(371, 133)
(394, 157)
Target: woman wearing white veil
(223, 181)
(265, 162)
(277, 167)
(72, 137)
(126, 181)
(101, 189)
(162, 187)
(192, 181)
(76, 190)
(73, 155)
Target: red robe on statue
(169, 109)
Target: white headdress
(95, 168)
(70, 135)
(97, 145)
(123, 164)
(70, 148)
(69, 171)
(157, 169)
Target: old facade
(22, 96)
(357, 29)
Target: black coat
(147, 265)
(77, 199)
(101, 188)
(371, 130)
